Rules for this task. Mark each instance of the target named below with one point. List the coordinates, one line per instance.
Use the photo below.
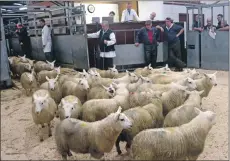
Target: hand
(105, 41)
(136, 44)
(177, 35)
(21, 43)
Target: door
(183, 18)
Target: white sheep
(44, 109)
(173, 98)
(132, 87)
(110, 73)
(19, 68)
(78, 89)
(101, 92)
(40, 65)
(97, 109)
(70, 107)
(148, 116)
(41, 76)
(206, 83)
(184, 113)
(174, 143)
(144, 71)
(28, 82)
(128, 78)
(54, 88)
(95, 138)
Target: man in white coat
(107, 41)
(46, 41)
(129, 14)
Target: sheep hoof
(70, 154)
(41, 140)
(50, 135)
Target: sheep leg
(69, 153)
(41, 127)
(49, 130)
(96, 154)
(118, 146)
(64, 157)
(128, 144)
(192, 157)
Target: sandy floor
(19, 135)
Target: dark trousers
(150, 54)
(174, 57)
(49, 56)
(26, 49)
(106, 63)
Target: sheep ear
(104, 87)
(201, 92)
(56, 78)
(53, 61)
(63, 101)
(114, 66)
(215, 73)
(48, 62)
(24, 56)
(119, 110)
(166, 66)
(149, 66)
(75, 101)
(46, 96)
(197, 110)
(35, 97)
(47, 78)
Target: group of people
(221, 26)
(25, 44)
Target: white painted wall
(101, 10)
(163, 11)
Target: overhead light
(18, 4)
(9, 10)
(3, 9)
(23, 8)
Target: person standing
(220, 17)
(209, 25)
(24, 41)
(197, 24)
(46, 41)
(129, 14)
(173, 32)
(149, 35)
(107, 41)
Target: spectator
(111, 14)
(152, 16)
(224, 26)
(129, 14)
(107, 40)
(219, 18)
(209, 25)
(46, 41)
(173, 32)
(24, 40)
(149, 36)
(197, 25)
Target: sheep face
(27, 66)
(51, 64)
(190, 83)
(23, 58)
(67, 108)
(84, 74)
(30, 77)
(145, 79)
(52, 83)
(113, 70)
(133, 77)
(212, 78)
(83, 83)
(58, 70)
(40, 103)
(110, 90)
(122, 120)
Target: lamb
(110, 73)
(174, 143)
(54, 88)
(188, 82)
(28, 82)
(144, 71)
(174, 98)
(41, 76)
(95, 138)
(184, 113)
(101, 92)
(70, 107)
(79, 89)
(96, 79)
(148, 116)
(19, 68)
(43, 110)
(40, 65)
(206, 83)
(97, 109)
(128, 78)
(132, 87)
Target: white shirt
(129, 17)
(112, 41)
(46, 39)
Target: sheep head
(110, 90)
(52, 83)
(121, 120)
(51, 64)
(83, 83)
(40, 103)
(211, 78)
(84, 74)
(68, 107)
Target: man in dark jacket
(107, 41)
(24, 41)
(173, 32)
(149, 35)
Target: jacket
(46, 39)
(142, 36)
(129, 17)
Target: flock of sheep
(157, 112)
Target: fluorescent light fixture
(23, 8)
(3, 9)
(9, 10)
(18, 4)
